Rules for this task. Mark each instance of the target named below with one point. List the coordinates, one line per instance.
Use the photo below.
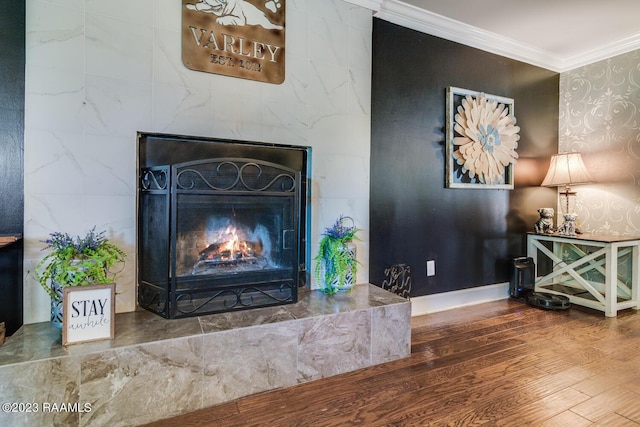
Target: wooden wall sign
(238, 38)
(88, 313)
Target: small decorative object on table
(76, 262)
(336, 263)
(544, 225)
(568, 227)
(89, 313)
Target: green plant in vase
(76, 262)
(336, 263)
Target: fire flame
(232, 247)
(229, 243)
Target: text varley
(234, 45)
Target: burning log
(228, 255)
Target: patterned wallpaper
(600, 118)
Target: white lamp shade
(566, 169)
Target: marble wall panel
(140, 384)
(334, 344)
(32, 343)
(117, 107)
(182, 110)
(136, 13)
(244, 318)
(54, 104)
(321, 304)
(37, 383)
(55, 33)
(390, 336)
(118, 49)
(264, 360)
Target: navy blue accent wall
(12, 60)
(471, 234)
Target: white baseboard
(446, 301)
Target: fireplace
(221, 225)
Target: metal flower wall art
(482, 138)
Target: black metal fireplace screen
(218, 235)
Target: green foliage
(77, 262)
(335, 261)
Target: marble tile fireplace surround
(156, 368)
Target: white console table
(594, 270)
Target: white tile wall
(99, 71)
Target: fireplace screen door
(218, 235)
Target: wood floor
(496, 364)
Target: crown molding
(600, 53)
(373, 5)
(418, 19)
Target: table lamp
(565, 170)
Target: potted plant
(76, 262)
(336, 263)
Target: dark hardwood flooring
(495, 364)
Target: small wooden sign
(238, 38)
(88, 313)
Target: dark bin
(522, 281)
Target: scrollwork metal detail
(231, 299)
(398, 280)
(152, 299)
(281, 176)
(154, 179)
(184, 174)
(190, 178)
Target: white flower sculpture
(488, 139)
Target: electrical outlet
(431, 268)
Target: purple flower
(340, 231)
(63, 241)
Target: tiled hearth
(156, 368)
